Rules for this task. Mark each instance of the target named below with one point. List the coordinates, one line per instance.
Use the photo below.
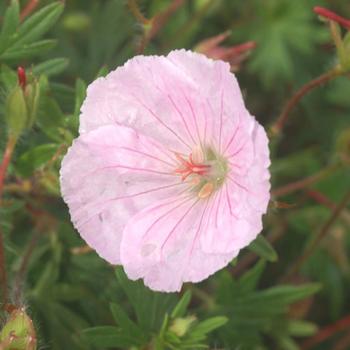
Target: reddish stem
(303, 183)
(28, 9)
(3, 275)
(326, 332)
(6, 161)
(3, 168)
(318, 238)
(294, 100)
(323, 12)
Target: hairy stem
(11, 143)
(3, 275)
(318, 238)
(304, 90)
(3, 169)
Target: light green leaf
(35, 158)
(200, 330)
(181, 307)
(51, 67)
(38, 24)
(262, 247)
(19, 53)
(10, 24)
(300, 328)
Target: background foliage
(268, 298)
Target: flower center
(206, 171)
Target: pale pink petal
(182, 100)
(107, 176)
(161, 244)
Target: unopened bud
(18, 332)
(22, 104)
(181, 326)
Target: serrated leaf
(262, 247)
(181, 307)
(35, 158)
(38, 24)
(51, 67)
(19, 53)
(129, 327)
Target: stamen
(206, 190)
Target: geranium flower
(169, 176)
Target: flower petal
(161, 244)
(107, 176)
(183, 100)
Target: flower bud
(181, 326)
(18, 332)
(22, 104)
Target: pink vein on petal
(182, 117)
(178, 223)
(94, 204)
(161, 122)
(187, 199)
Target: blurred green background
(67, 290)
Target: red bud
(22, 78)
(323, 12)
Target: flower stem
(327, 332)
(11, 143)
(304, 90)
(319, 237)
(3, 275)
(303, 183)
(28, 9)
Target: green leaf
(285, 294)
(149, 306)
(35, 158)
(129, 327)
(38, 24)
(300, 328)
(51, 67)
(262, 247)
(80, 94)
(108, 337)
(250, 279)
(10, 24)
(200, 330)
(26, 51)
(181, 307)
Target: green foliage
(75, 299)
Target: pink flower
(169, 176)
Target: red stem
(323, 12)
(28, 9)
(294, 100)
(326, 332)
